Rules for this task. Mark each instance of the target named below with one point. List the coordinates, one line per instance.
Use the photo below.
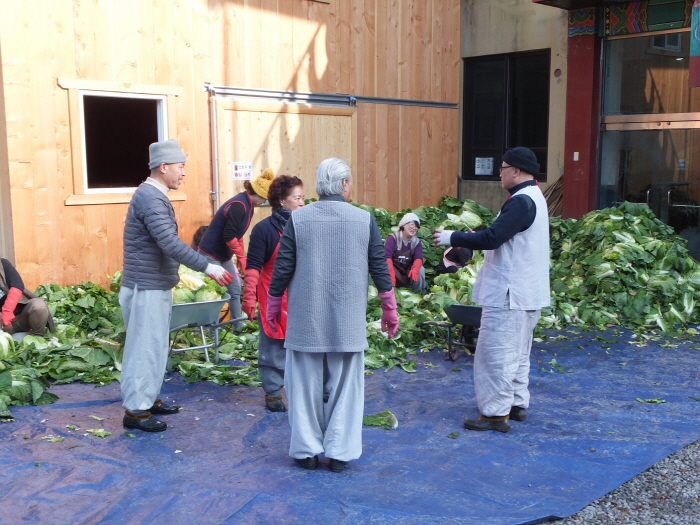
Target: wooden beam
(120, 87)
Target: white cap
(408, 218)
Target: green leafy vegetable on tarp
(657, 400)
(99, 432)
(385, 419)
(618, 266)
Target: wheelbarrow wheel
(452, 353)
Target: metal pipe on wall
(214, 154)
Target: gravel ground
(668, 493)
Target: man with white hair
(326, 253)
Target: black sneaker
(517, 414)
(147, 424)
(161, 408)
(337, 466)
(308, 463)
(275, 404)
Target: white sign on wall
(483, 166)
(241, 170)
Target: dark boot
(161, 408)
(275, 404)
(517, 414)
(498, 423)
(337, 466)
(308, 463)
(145, 422)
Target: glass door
(650, 140)
(657, 168)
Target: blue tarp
(224, 458)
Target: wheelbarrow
(466, 319)
(202, 315)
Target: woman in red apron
(404, 255)
(285, 195)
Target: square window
(506, 104)
(117, 130)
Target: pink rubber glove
(273, 315)
(252, 277)
(390, 320)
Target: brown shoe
(275, 404)
(161, 408)
(498, 423)
(145, 422)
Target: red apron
(263, 287)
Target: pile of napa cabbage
(195, 287)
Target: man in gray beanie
(152, 254)
(512, 286)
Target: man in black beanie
(512, 287)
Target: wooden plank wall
(407, 156)
(7, 245)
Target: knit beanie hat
(261, 185)
(523, 159)
(408, 218)
(168, 152)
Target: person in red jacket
(404, 255)
(224, 237)
(22, 311)
(285, 195)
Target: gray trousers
(334, 427)
(147, 319)
(271, 358)
(32, 318)
(502, 360)
(233, 289)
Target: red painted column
(580, 184)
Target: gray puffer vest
(152, 249)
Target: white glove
(442, 237)
(218, 273)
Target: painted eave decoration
(578, 4)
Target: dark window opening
(506, 104)
(118, 131)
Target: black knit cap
(523, 159)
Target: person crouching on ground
(328, 249)
(512, 286)
(152, 254)
(224, 237)
(404, 255)
(285, 195)
(22, 311)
